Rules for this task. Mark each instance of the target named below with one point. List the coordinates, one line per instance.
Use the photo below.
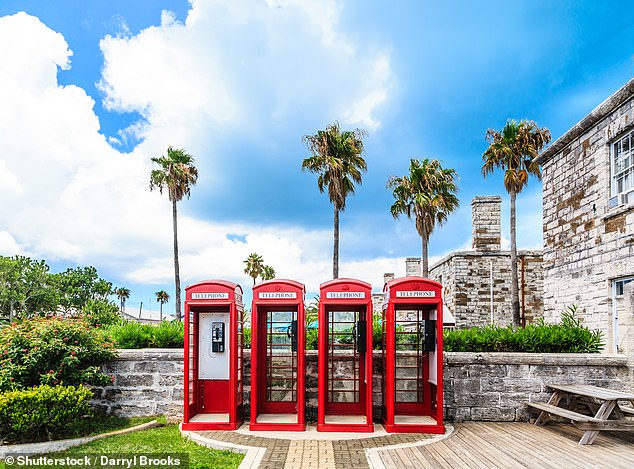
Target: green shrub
(246, 337)
(377, 332)
(99, 313)
(42, 410)
(168, 334)
(568, 336)
(131, 335)
(312, 339)
(54, 351)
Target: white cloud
(241, 64)
(69, 195)
(8, 245)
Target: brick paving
(313, 454)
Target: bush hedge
(568, 336)
(30, 414)
(132, 335)
(54, 351)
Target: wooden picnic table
(602, 405)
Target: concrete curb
(252, 454)
(375, 461)
(61, 445)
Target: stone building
(477, 283)
(588, 220)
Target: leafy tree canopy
(27, 288)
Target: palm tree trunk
(177, 278)
(161, 308)
(424, 262)
(335, 249)
(515, 298)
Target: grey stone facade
(477, 283)
(478, 386)
(588, 232)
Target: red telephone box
(278, 356)
(213, 356)
(412, 356)
(345, 356)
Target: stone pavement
(310, 449)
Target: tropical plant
(55, 351)
(268, 273)
(134, 335)
(336, 158)
(177, 174)
(162, 297)
(427, 194)
(567, 336)
(513, 150)
(254, 266)
(123, 294)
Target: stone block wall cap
(480, 199)
(519, 358)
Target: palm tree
(177, 174)
(514, 150)
(254, 266)
(428, 194)
(123, 294)
(268, 272)
(336, 158)
(162, 297)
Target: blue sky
(237, 84)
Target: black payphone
(218, 337)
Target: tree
(268, 273)
(177, 174)
(162, 297)
(26, 288)
(336, 158)
(514, 150)
(123, 294)
(254, 266)
(78, 286)
(427, 194)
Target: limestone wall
(586, 244)
(466, 280)
(478, 386)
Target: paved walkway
(471, 445)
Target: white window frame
(622, 168)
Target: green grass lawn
(164, 440)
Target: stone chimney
(486, 223)
(388, 277)
(412, 266)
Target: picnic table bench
(600, 402)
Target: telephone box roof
(221, 283)
(404, 280)
(291, 283)
(339, 281)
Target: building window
(619, 285)
(622, 171)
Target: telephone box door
(412, 354)
(278, 356)
(346, 381)
(345, 356)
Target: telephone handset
(291, 332)
(218, 337)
